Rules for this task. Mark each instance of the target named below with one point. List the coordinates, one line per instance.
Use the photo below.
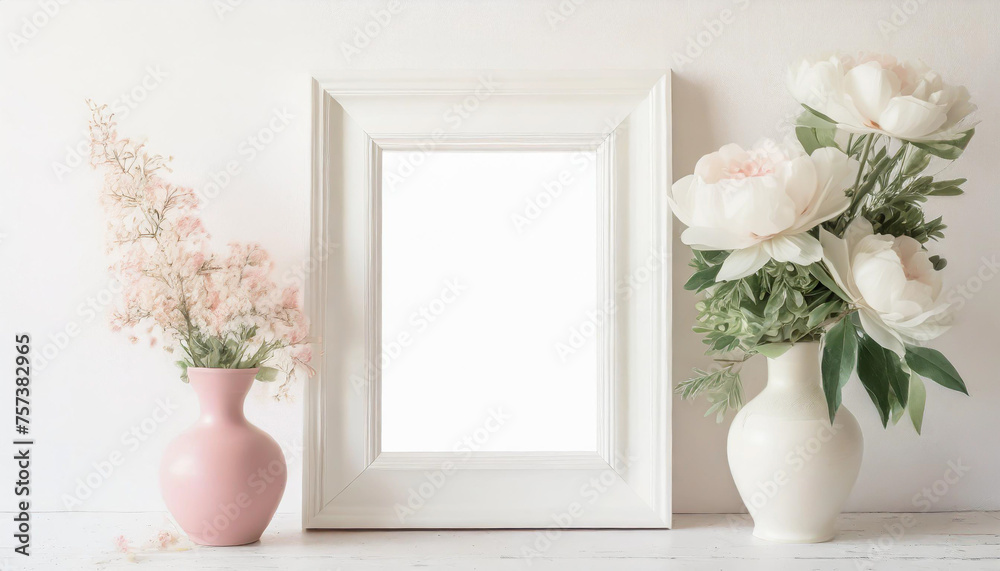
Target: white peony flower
(891, 281)
(760, 203)
(878, 94)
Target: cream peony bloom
(891, 281)
(760, 203)
(878, 94)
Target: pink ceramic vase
(223, 477)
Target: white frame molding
(625, 118)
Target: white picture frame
(623, 116)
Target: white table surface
(951, 541)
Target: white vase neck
(798, 367)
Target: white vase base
(780, 538)
(792, 467)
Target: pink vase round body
(222, 478)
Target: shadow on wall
(702, 452)
(692, 138)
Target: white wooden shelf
(932, 541)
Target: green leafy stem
(233, 350)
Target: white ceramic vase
(793, 469)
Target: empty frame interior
(489, 270)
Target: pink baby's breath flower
(121, 544)
(188, 226)
(254, 279)
(194, 262)
(166, 538)
(173, 285)
(258, 256)
(303, 353)
(290, 297)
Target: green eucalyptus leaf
(798, 303)
(916, 161)
(882, 165)
(879, 157)
(703, 278)
(946, 187)
(900, 382)
(816, 115)
(267, 374)
(950, 150)
(822, 312)
(840, 352)
(808, 139)
(773, 350)
(916, 401)
(775, 304)
(812, 138)
(724, 343)
(877, 367)
(184, 369)
(932, 365)
(946, 183)
(897, 411)
(213, 357)
(946, 191)
(712, 256)
(820, 273)
(855, 148)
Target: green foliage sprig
(762, 313)
(229, 351)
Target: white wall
(225, 78)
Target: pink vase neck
(221, 392)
